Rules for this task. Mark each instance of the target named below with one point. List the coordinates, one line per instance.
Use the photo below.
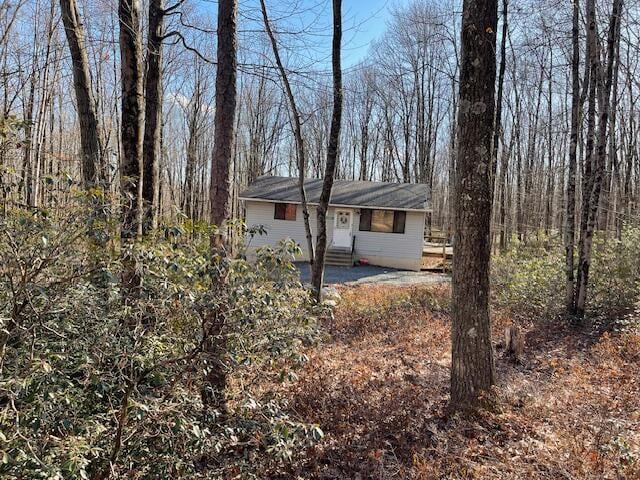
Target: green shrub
(615, 274)
(529, 280)
(89, 385)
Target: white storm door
(342, 228)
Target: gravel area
(361, 274)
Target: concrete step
(338, 255)
(343, 259)
(338, 263)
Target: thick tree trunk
(332, 152)
(472, 368)
(87, 117)
(131, 138)
(153, 116)
(224, 121)
(297, 131)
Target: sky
(366, 21)
(363, 20)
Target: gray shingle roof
(400, 196)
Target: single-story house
(377, 221)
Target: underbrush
(528, 281)
(373, 310)
(91, 387)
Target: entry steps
(339, 257)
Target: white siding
(402, 250)
(261, 213)
(399, 245)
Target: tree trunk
(153, 116)
(87, 116)
(224, 120)
(131, 137)
(497, 129)
(224, 123)
(297, 131)
(332, 152)
(602, 82)
(472, 367)
(576, 110)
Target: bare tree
(576, 107)
(153, 115)
(332, 151)
(87, 116)
(497, 128)
(472, 368)
(131, 138)
(297, 130)
(602, 82)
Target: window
(285, 211)
(384, 221)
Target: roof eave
(373, 207)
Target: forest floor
(378, 387)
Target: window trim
(282, 211)
(399, 225)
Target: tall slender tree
(153, 114)
(297, 129)
(224, 121)
(576, 112)
(131, 138)
(472, 367)
(332, 151)
(602, 82)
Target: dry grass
(379, 388)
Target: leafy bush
(91, 387)
(529, 280)
(615, 273)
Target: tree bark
(332, 152)
(224, 120)
(576, 113)
(153, 116)
(87, 116)
(131, 138)
(602, 82)
(472, 367)
(224, 124)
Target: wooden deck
(436, 256)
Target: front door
(342, 229)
